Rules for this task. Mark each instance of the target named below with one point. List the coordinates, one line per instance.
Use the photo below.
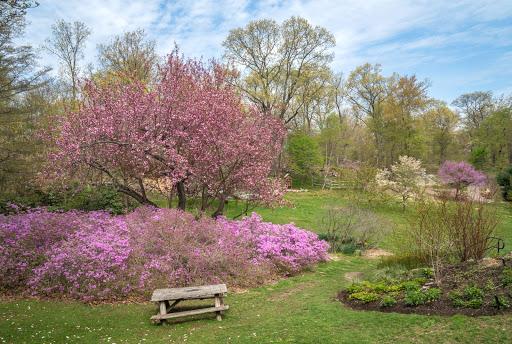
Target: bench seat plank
(207, 291)
(187, 313)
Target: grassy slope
(300, 309)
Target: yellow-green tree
(130, 53)
(407, 100)
(278, 60)
(440, 124)
(367, 90)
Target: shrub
(433, 294)
(364, 297)
(507, 277)
(473, 292)
(96, 255)
(474, 303)
(500, 302)
(414, 298)
(387, 301)
(457, 300)
(428, 272)
(504, 179)
(355, 288)
(350, 228)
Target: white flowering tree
(405, 177)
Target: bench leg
(218, 302)
(163, 310)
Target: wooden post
(218, 302)
(163, 310)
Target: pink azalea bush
(97, 256)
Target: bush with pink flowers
(98, 256)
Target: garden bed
(488, 275)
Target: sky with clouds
(461, 46)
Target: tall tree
(18, 76)
(130, 54)
(68, 43)
(475, 107)
(278, 60)
(367, 90)
(408, 98)
(440, 124)
(494, 138)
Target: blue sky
(461, 46)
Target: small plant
(355, 288)
(381, 287)
(507, 277)
(419, 281)
(428, 272)
(387, 301)
(433, 294)
(414, 298)
(489, 286)
(473, 292)
(364, 297)
(474, 303)
(500, 302)
(408, 260)
(349, 248)
(456, 299)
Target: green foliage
(98, 197)
(427, 272)
(477, 157)
(387, 301)
(364, 297)
(304, 154)
(474, 303)
(407, 260)
(473, 292)
(489, 286)
(433, 294)
(457, 300)
(504, 179)
(507, 277)
(414, 298)
(355, 288)
(500, 302)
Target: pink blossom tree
(187, 134)
(460, 175)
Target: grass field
(301, 309)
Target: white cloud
(427, 36)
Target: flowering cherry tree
(460, 175)
(189, 133)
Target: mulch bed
(455, 277)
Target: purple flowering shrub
(460, 175)
(96, 256)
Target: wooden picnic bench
(164, 297)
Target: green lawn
(301, 309)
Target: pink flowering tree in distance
(460, 175)
(187, 134)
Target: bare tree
(68, 43)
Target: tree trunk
(138, 197)
(220, 208)
(182, 199)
